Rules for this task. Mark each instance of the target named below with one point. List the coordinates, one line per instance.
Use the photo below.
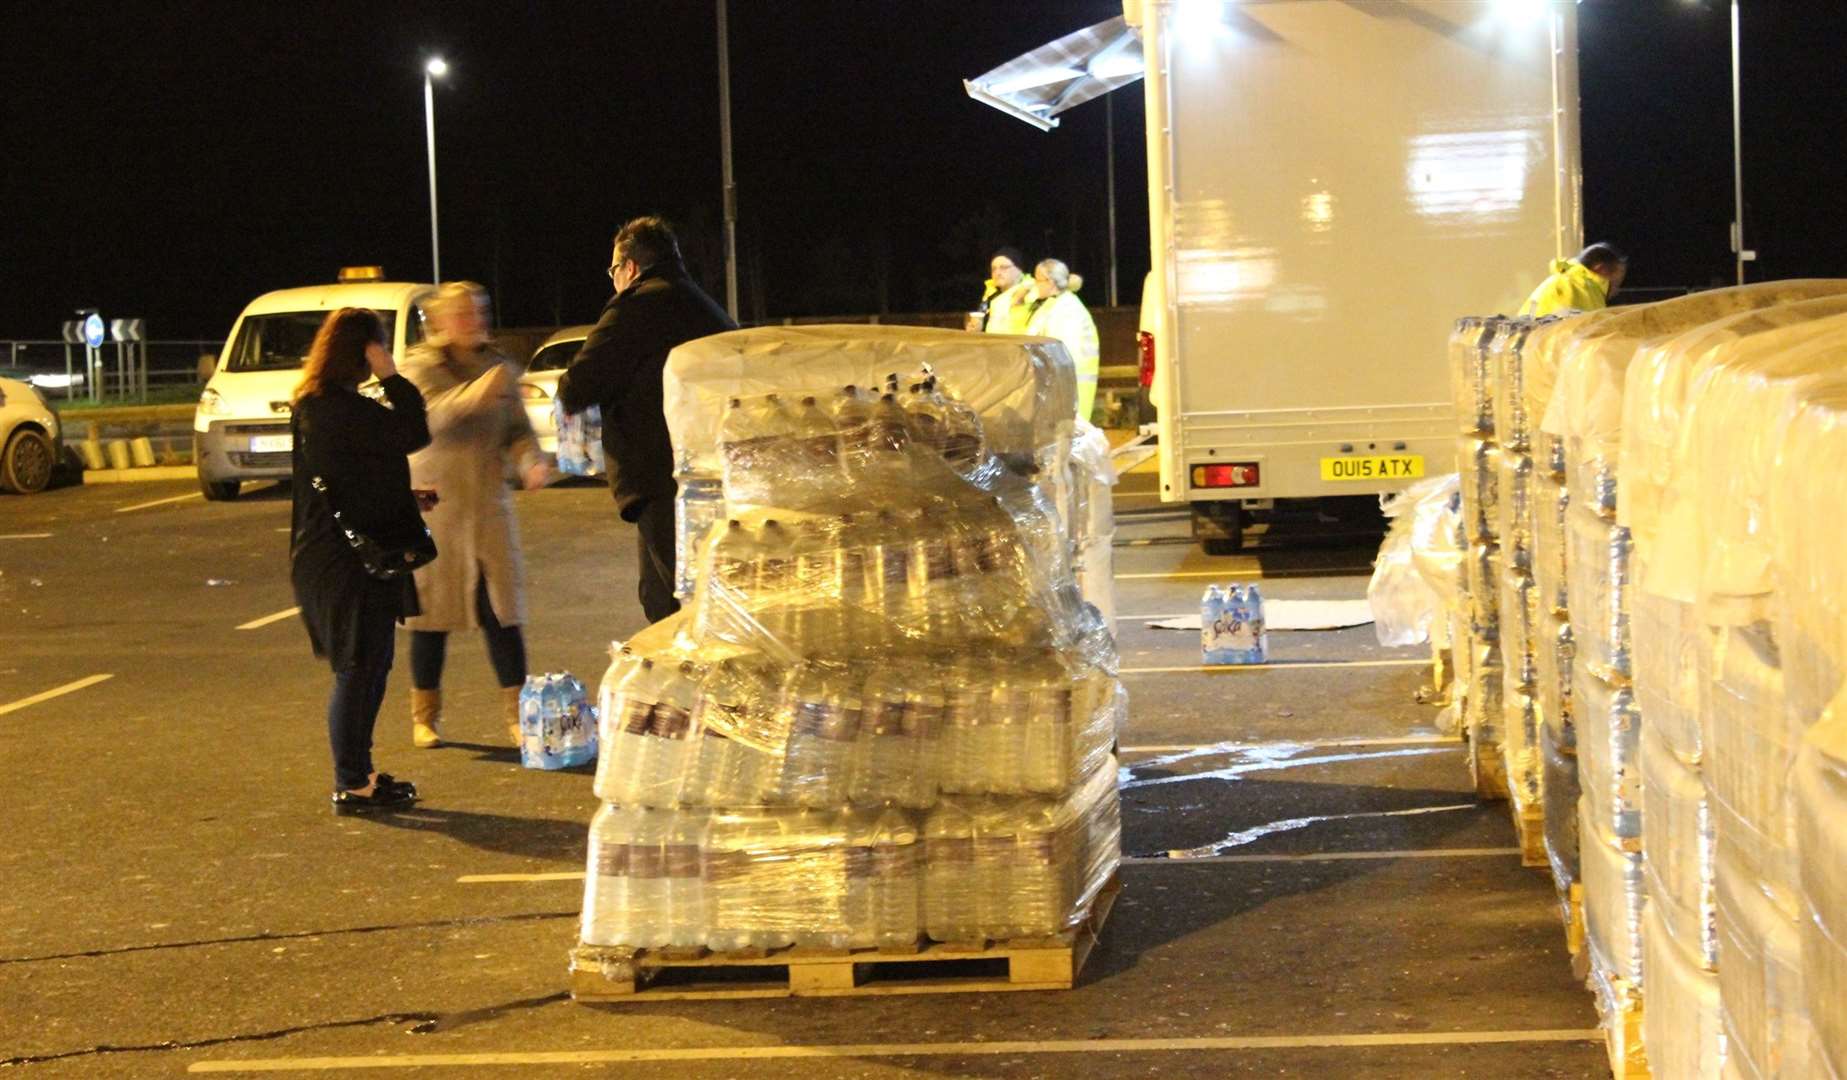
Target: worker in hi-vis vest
(1585, 283)
(1056, 312)
(1007, 292)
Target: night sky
(173, 161)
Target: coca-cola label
(670, 721)
(680, 860)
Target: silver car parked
(538, 388)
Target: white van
(241, 429)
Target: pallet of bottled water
(884, 722)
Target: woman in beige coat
(477, 427)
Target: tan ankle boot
(426, 717)
(509, 708)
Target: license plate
(1377, 467)
(271, 444)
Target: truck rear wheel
(1219, 527)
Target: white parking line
(267, 619)
(1309, 744)
(25, 536)
(901, 1050)
(510, 879)
(1334, 856)
(160, 502)
(59, 691)
(1277, 665)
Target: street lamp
(436, 68)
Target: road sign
(93, 330)
(73, 333)
(127, 329)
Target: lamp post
(1739, 251)
(436, 68)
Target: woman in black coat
(358, 449)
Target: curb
(131, 476)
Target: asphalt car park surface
(1310, 888)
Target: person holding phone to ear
(352, 479)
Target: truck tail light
(1144, 351)
(1235, 475)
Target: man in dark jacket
(656, 307)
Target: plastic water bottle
(964, 443)
(607, 905)
(823, 712)
(861, 915)
(1042, 876)
(965, 718)
(626, 719)
(1051, 728)
(577, 721)
(818, 440)
(647, 926)
(888, 757)
(777, 878)
(725, 875)
(896, 877)
(687, 920)
(851, 412)
(721, 602)
(772, 598)
(933, 599)
(949, 853)
(1260, 634)
(817, 623)
(1001, 742)
(822, 848)
(742, 435)
(699, 508)
(1211, 606)
(662, 750)
(925, 418)
(990, 872)
(745, 698)
(888, 570)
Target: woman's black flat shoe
(386, 795)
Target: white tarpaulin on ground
(1292, 615)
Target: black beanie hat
(1013, 255)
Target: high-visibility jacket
(1064, 317)
(1571, 287)
(1007, 308)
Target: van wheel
(1219, 527)
(25, 467)
(219, 490)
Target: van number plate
(274, 444)
(1381, 467)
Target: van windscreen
(279, 341)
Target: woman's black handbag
(382, 562)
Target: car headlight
(212, 403)
(533, 392)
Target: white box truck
(1331, 183)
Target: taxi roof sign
(350, 274)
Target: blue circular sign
(93, 330)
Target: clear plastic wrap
(1659, 379)
(1551, 515)
(1559, 791)
(1092, 521)
(886, 627)
(1749, 747)
(1670, 676)
(1600, 570)
(1469, 363)
(1819, 789)
(1614, 890)
(1682, 851)
(1553, 661)
(1405, 601)
(1682, 1026)
(1761, 979)
(1515, 517)
(1478, 463)
(772, 877)
(1586, 407)
(1520, 754)
(1519, 620)
(1482, 572)
(1483, 711)
(1513, 427)
(1541, 358)
(1609, 757)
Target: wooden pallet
(601, 974)
(1622, 1034)
(1573, 910)
(1530, 827)
(1487, 769)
